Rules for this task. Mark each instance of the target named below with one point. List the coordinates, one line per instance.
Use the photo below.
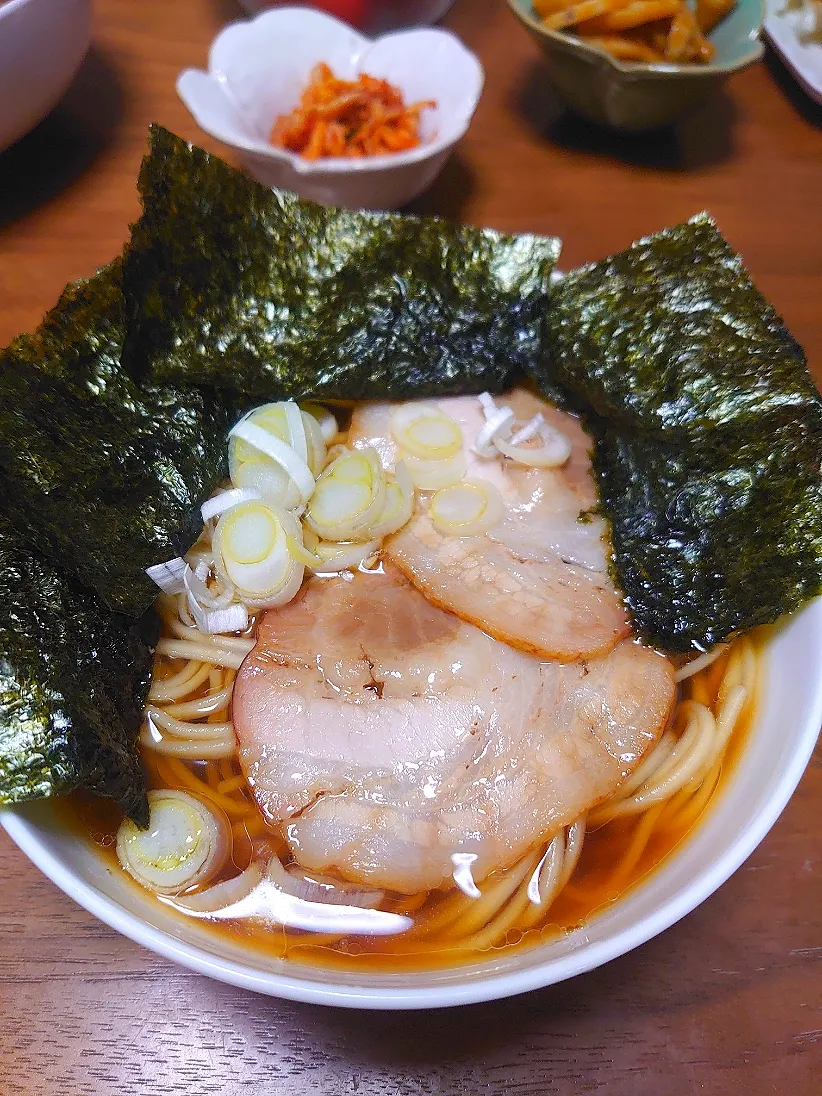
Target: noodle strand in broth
(190, 746)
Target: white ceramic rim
(334, 165)
(804, 60)
(12, 5)
(472, 991)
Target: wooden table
(730, 999)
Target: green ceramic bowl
(636, 97)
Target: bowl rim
(494, 985)
(12, 5)
(333, 165)
(668, 70)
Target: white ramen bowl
(773, 760)
(42, 45)
(258, 69)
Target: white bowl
(387, 14)
(259, 68)
(42, 45)
(775, 756)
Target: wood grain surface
(729, 1000)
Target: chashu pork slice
(388, 735)
(539, 579)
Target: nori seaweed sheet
(708, 432)
(232, 285)
(672, 335)
(717, 536)
(104, 476)
(73, 679)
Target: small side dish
(640, 30)
(362, 117)
(631, 85)
(794, 28)
(353, 157)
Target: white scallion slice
(221, 621)
(349, 497)
(315, 443)
(488, 404)
(226, 499)
(553, 452)
(269, 416)
(329, 559)
(525, 433)
(324, 419)
(279, 452)
(221, 895)
(296, 429)
(424, 431)
(250, 468)
(195, 582)
(399, 503)
(467, 509)
(431, 475)
(169, 576)
(269, 479)
(251, 551)
(185, 844)
(463, 875)
(270, 902)
(499, 422)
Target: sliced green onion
(431, 475)
(498, 436)
(296, 430)
(424, 431)
(499, 421)
(552, 453)
(279, 452)
(325, 420)
(185, 844)
(195, 581)
(221, 895)
(315, 442)
(269, 479)
(211, 620)
(169, 575)
(467, 509)
(224, 500)
(301, 554)
(399, 503)
(270, 417)
(251, 551)
(349, 497)
(332, 558)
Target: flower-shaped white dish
(259, 68)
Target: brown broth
(606, 871)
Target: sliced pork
(389, 735)
(539, 579)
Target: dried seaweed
(708, 430)
(232, 285)
(671, 335)
(73, 679)
(717, 536)
(104, 476)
